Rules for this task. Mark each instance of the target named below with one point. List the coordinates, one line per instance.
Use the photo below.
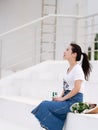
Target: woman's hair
(86, 66)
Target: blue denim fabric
(52, 114)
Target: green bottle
(54, 94)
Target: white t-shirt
(75, 74)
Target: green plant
(96, 47)
(80, 107)
(89, 53)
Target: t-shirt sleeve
(79, 74)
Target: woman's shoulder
(78, 72)
(78, 68)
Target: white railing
(20, 47)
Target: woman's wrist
(64, 98)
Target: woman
(52, 114)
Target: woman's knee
(44, 103)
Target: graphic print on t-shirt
(65, 85)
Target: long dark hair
(86, 66)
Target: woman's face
(68, 53)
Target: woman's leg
(51, 114)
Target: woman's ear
(74, 54)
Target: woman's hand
(58, 99)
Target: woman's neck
(72, 64)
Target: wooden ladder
(48, 31)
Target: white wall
(68, 31)
(92, 6)
(14, 13)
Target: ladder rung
(47, 42)
(44, 42)
(44, 14)
(42, 60)
(52, 33)
(49, 5)
(51, 24)
(43, 51)
(51, 51)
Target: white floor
(8, 125)
(16, 115)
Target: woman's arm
(62, 93)
(73, 92)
